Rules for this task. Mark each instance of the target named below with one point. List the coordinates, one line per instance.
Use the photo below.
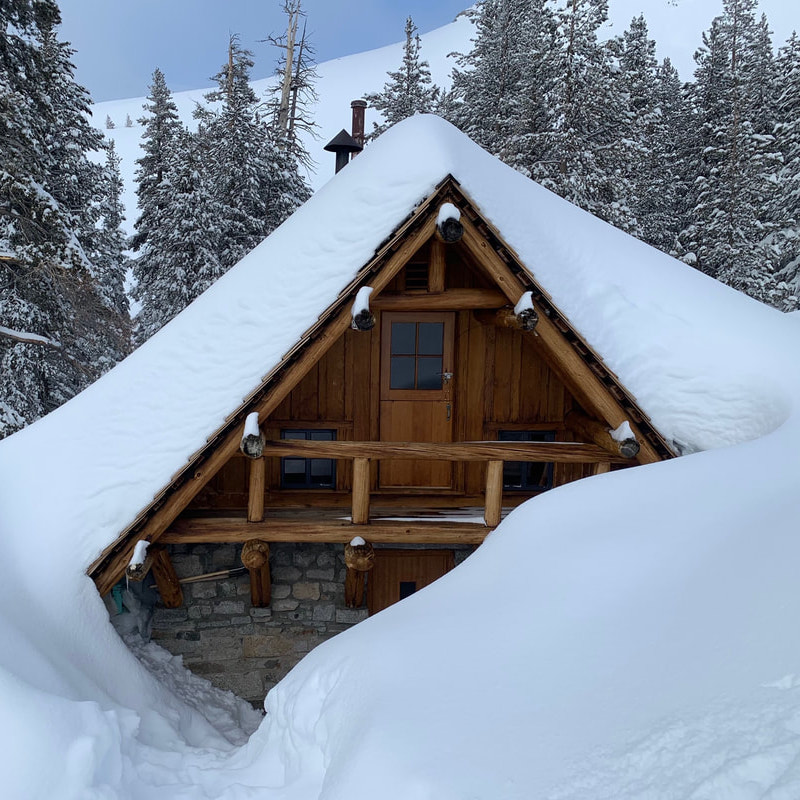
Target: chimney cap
(343, 142)
(358, 104)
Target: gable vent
(417, 276)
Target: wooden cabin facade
(466, 393)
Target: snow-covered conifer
(409, 89)
(737, 160)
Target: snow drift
(629, 635)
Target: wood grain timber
(360, 511)
(255, 500)
(167, 583)
(255, 556)
(494, 493)
(447, 300)
(504, 379)
(221, 530)
(437, 266)
(557, 452)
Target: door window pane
(404, 336)
(402, 376)
(431, 339)
(429, 373)
(417, 350)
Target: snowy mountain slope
(340, 81)
(587, 650)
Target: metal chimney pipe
(358, 107)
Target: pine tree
(409, 89)
(162, 128)
(256, 180)
(737, 160)
(587, 153)
(664, 176)
(499, 85)
(180, 256)
(48, 211)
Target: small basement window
(527, 476)
(308, 473)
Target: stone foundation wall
(248, 650)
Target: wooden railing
(493, 453)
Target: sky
(120, 42)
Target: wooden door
(416, 395)
(400, 573)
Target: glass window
(527, 476)
(417, 350)
(308, 473)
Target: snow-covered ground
(631, 635)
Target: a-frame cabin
(410, 415)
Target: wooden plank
(220, 530)
(436, 269)
(360, 514)
(568, 452)
(571, 368)
(602, 467)
(494, 493)
(169, 587)
(255, 499)
(110, 565)
(450, 300)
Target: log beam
(502, 318)
(494, 493)
(557, 452)
(595, 431)
(255, 556)
(360, 515)
(449, 300)
(257, 488)
(221, 530)
(167, 583)
(579, 378)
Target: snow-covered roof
(677, 339)
(603, 610)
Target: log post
(494, 493)
(255, 499)
(436, 268)
(598, 432)
(360, 514)
(359, 558)
(255, 556)
(166, 579)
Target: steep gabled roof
(159, 422)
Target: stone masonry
(248, 650)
